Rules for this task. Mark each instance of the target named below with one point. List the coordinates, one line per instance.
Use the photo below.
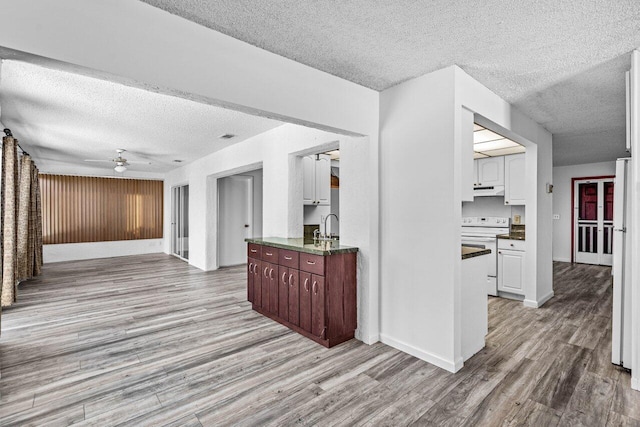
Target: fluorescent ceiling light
(505, 151)
(479, 156)
(494, 145)
(477, 127)
(485, 135)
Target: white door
(593, 221)
(511, 271)
(323, 180)
(515, 179)
(180, 221)
(490, 171)
(309, 180)
(235, 218)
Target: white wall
(562, 176)
(421, 124)
(90, 250)
(420, 222)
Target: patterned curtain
(9, 220)
(36, 221)
(25, 238)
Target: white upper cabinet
(489, 171)
(316, 188)
(515, 179)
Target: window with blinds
(78, 209)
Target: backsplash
(492, 206)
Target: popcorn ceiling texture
(560, 62)
(67, 118)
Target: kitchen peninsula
(474, 320)
(310, 287)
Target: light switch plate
(556, 216)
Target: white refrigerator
(621, 317)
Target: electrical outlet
(556, 216)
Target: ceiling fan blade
(94, 160)
(138, 162)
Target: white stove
(481, 232)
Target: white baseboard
(635, 383)
(371, 339)
(562, 259)
(92, 250)
(451, 366)
(539, 303)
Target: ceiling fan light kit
(120, 162)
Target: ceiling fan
(120, 162)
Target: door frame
(573, 207)
(249, 180)
(174, 225)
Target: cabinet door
(309, 180)
(265, 266)
(257, 282)
(294, 296)
(305, 300)
(490, 171)
(250, 279)
(323, 180)
(283, 293)
(514, 179)
(317, 306)
(273, 289)
(511, 271)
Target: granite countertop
(470, 252)
(329, 247)
(514, 235)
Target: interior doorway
(239, 215)
(593, 220)
(180, 221)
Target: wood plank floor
(148, 340)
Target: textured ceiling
(561, 62)
(64, 118)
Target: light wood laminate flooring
(149, 340)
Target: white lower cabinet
(511, 261)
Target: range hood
(493, 190)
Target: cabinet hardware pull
(311, 263)
(271, 274)
(306, 285)
(265, 271)
(288, 258)
(506, 202)
(254, 250)
(250, 267)
(255, 268)
(283, 276)
(511, 244)
(315, 287)
(268, 254)
(290, 282)
(499, 252)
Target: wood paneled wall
(79, 209)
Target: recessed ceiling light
(226, 136)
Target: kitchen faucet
(325, 225)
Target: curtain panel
(9, 220)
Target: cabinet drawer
(312, 263)
(270, 254)
(289, 258)
(514, 245)
(253, 251)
